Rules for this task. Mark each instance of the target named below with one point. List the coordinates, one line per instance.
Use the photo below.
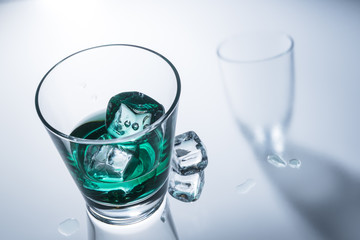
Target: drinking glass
(258, 74)
(74, 95)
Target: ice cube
(276, 160)
(109, 162)
(130, 112)
(186, 188)
(190, 154)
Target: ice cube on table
(186, 188)
(109, 162)
(190, 154)
(130, 112)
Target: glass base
(158, 226)
(129, 214)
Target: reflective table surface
(321, 200)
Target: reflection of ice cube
(108, 162)
(186, 188)
(190, 154)
(126, 122)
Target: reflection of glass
(76, 91)
(258, 74)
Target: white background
(319, 201)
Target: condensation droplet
(94, 98)
(163, 216)
(245, 187)
(83, 85)
(295, 163)
(69, 227)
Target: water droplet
(69, 227)
(94, 98)
(83, 85)
(127, 123)
(276, 161)
(135, 126)
(295, 163)
(163, 216)
(245, 187)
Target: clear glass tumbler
(74, 95)
(258, 73)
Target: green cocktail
(121, 173)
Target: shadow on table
(322, 191)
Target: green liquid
(105, 181)
(145, 175)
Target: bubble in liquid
(127, 123)
(295, 163)
(69, 227)
(246, 186)
(135, 126)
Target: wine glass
(258, 74)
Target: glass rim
(280, 54)
(132, 137)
